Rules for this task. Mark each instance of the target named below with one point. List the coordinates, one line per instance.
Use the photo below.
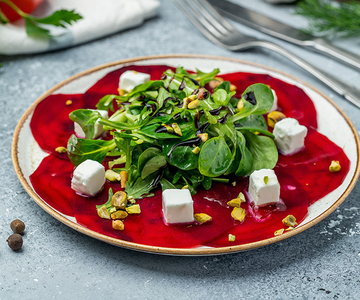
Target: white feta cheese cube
(177, 206)
(130, 79)
(275, 104)
(264, 187)
(289, 136)
(88, 178)
(98, 128)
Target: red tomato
(26, 6)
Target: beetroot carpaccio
(304, 177)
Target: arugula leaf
(263, 103)
(141, 187)
(182, 157)
(107, 205)
(225, 85)
(146, 156)
(263, 150)
(106, 102)
(154, 164)
(86, 118)
(80, 150)
(207, 183)
(118, 161)
(221, 97)
(126, 145)
(151, 132)
(202, 77)
(246, 160)
(147, 86)
(254, 123)
(166, 184)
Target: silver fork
(223, 34)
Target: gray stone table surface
(57, 262)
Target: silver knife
(283, 31)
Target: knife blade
(283, 31)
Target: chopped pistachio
(289, 228)
(234, 202)
(231, 238)
(122, 92)
(238, 214)
(119, 200)
(112, 175)
(233, 183)
(201, 94)
(131, 200)
(192, 97)
(202, 218)
(240, 105)
(274, 117)
(290, 221)
(176, 129)
(241, 196)
(103, 213)
(61, 149)
(219, 79)
(279, 232)
(186, 102)
(119, 214)
(233, 87)
(196, 150)
(111, 210)
(204, 136)
(118, 225)
(215, 82)
(133, 209)
(266, 179)
(194, 104)
(169, 129)
(123, 178)
(68, 102)
(335, 166)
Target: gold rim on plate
(164, 250)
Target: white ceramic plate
(332, 122)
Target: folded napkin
(100, 18)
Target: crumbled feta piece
(98, 128)
(289, 136)
(178, 206)
(130, 79)
(88, 178)
(264, 187)
(275, 104)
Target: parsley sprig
(34, 26)
(329, 18)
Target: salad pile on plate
(174, 131)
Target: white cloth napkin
(100, 18)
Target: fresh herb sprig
(34, 26)
(165, 139)
(329, 18)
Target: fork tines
(206, 19)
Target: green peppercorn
(15, 241)
(17, 226)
